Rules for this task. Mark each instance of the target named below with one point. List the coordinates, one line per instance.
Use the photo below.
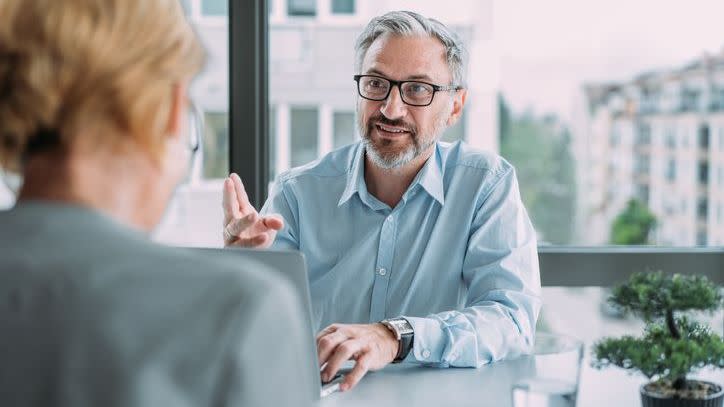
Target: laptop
(293, 266)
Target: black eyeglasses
(196, 126)
(413, 93)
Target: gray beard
(404, 157)
(397, 161)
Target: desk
(409, 385)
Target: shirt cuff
(429, 342)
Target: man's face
(396, 133)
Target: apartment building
(658, 138)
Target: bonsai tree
(672, 345)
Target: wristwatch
(404, 333)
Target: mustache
(380, 119)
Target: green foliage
(671, 347)
(651, 295)
(633, 225)
(539, 148)
(659, 355)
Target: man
(418, 250)
(92, 313)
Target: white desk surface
(407, 385)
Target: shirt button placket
(385, 252)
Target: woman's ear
(177, 111)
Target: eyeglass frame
(398, 85)
(196, 132)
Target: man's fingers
(273, 222)
(360, 369)
(236, 227)
(241, 196)
(344, 352)
(326, 331)
(327, 344)
(230, 202)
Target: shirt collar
(429, 177)
(355, 177)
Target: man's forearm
(476, 335)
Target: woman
(93, 101)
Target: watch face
(402, 326)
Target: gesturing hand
(372, 346)
(243, 226)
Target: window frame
(249, 99)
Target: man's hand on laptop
(372, 346)
(243, 226)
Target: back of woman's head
(90, 71)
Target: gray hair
(408, 23)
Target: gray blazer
(93, 314)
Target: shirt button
(390, 218)
(425, 354)
(382, 272)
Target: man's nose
(393, 107)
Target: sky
(549, 48)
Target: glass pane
(194, 215)
(343, 6)
(304, 135)
(215, 7)
(590, 121)
(302, 7)
(344, 129)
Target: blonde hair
(103, 70)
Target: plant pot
(653, 399)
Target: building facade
(658, 138)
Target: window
(701, 238)
(344, 129)
(670, 138)
(304, 131)
(216, 145)
(702, 208)
(343, 6)
(643, 136)
(302, 7)
(216, 8)
(615, 138)
(704, 137)
(192, 218)
(523, 109)
(703, 173)
(642, 165)
(272, 143)
(643, 194)
(671, 170)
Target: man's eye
(375, 83)
(418, 89)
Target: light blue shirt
(457, 256)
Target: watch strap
(406, 338)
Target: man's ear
(458, 104)
(177, 111)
